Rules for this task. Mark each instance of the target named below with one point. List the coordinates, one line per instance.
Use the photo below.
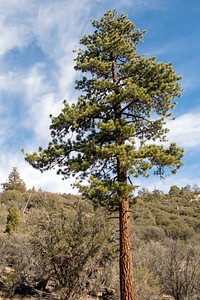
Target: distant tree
(195, 188)
(144, 193)
(157, 193)
(174, 190)
(13, 219)
(186, 189)
(126, 98)
(14, 182)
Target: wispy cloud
(14, 30)
(48, 181)
(36, 83)
(184, 130)
(55, 27)
(164, 185)
(39, 116)
(58, 25)
(144, 4)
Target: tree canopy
(125, 100)
(14, 182)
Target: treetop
(121, 112)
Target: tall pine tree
(108, 136)
(14, 182)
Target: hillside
(56, 246)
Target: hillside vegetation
(57, 246)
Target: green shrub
(13, 220)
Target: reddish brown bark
(125, 261)
(126, 267)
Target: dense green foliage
(14, 182)
(13, 219)
(125, 100)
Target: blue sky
(36, 75)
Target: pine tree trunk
(126, 268)
(125, 261)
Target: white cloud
(184, 130)
(5, 80)
(55, 25)
(6, 126)
(39, 116)
(144, 4)
(66, 78)
(33, 91)
(56, 28)
(12, 37)
(48, 181)
(11, 82)
(36, 83)
(14, 30)
(58, 25)
(154, 182)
